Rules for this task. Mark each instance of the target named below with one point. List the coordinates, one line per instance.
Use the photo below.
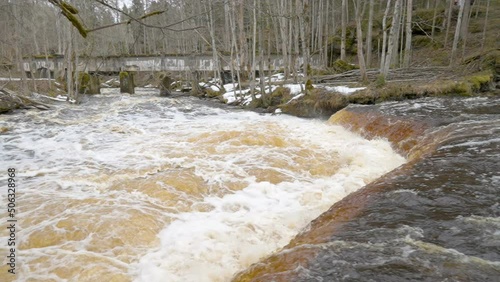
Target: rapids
(143, 188)
(436, 218)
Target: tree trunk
(359, 39)
(457, 35)
(285, 39)
(369, 36)
(215, 57)
(485, 25)
(303, 25)
(327, 26)
(344, 26)
(242, 40)
(393, 38)
(254, 41)
(384, 36)
(448, 22)
(407, 57)
(434, 18)
(465, 25)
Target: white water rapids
(145, 188)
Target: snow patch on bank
(341, 89)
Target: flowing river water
(436, 218)
(146, 188)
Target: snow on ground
(212, 85)
(342, 89)
(244, 95)
(295, 89)
(233, 96)
(230, 86)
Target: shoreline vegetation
(434, 68)
(309, 100)
(481, 76)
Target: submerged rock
(8, 102)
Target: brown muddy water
(146, 188)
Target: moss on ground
(322, 103)
(340, 66)
(83, 82)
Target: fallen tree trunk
(10, 100)
(408, 74)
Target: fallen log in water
(10, 100)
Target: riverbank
(330, 95)
(323, 95)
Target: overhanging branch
(70, 13)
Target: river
(146, 188)
(435, 218)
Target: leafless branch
(138, 20)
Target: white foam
(71, 154)
(251, 223)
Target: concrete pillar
(165, 85)
(88, 84)
(127, 82)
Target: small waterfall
(434, 218)
(145, 188)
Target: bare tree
(457, 35)
(465, 25)
(343, 27)
(384, 36)
(369, 36)
(434, 17)
(448, 21)
(407, 54)
(393, 38)
(483, 38)
(359, 39)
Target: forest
(371, 37)
(250, 140)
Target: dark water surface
(434, 219)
